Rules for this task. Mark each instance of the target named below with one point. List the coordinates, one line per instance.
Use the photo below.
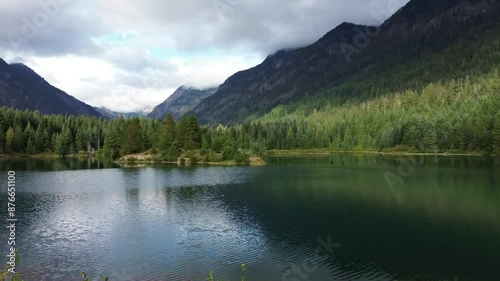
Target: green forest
(444, 102)
(460, 116)
(26, 132)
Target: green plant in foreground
(243, 269)
(86, 278)
(4, 274)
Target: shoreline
(254, 160)
(45, 156)
(152, 159)
(320, 152)
(152, 163)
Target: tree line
(458, 116)
(26, 132)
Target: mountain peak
(347, 50)
(23, 89)
(181, 101)
(25, 70)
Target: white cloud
(100, 82)
(127, 54)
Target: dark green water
(390, 218)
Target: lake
(332, 217)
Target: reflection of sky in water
(133, 222)
(179, 223)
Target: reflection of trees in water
(360, 160)
(167, 193)
(133, 193)
(188, 193)
(55, 164)
(183, 194)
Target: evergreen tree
(496, 134)
(181, 132)
(64, 143)
(18, 143)
(193, 133)
(168, 129)
(430, 141)
(9, 140)
(131, 141)
(30, 147)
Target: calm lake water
(337, 217)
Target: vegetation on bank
(445, 101)
(31, 133)
(395, 111)
(457, 117)
(398, 151)
(193, 157)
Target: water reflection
(54, 164)
(179, 223)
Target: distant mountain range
(350, 53)
(114, 114)
(181, 101)
(346, 57)
(22, 88)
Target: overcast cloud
(126, 54)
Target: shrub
(193, 159)
(215, 157)
(259, 149)
(171, 154)
(242, 158)
(229, 152)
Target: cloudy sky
(129, 54)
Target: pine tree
(430, 141)
(9, 140)
(181, 133)
(496, 134)
(30, 147)
(2, 132)
(60, 147)
(28, 132)
(131, 141)
(112, 142)
(290, 139)
(193, 133)
(167, 136)
(38, 140)
(64, 143)
(18, 143)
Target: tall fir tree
(167, 136)
(9, 140)
(496, 134)
(131, 139)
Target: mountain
(351, 54)
(22, 88)
(181, 101)
(114, 114)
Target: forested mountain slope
(354, 54)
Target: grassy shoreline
(320, 152)
(146, 159)
(47, 155)
(142, 158)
